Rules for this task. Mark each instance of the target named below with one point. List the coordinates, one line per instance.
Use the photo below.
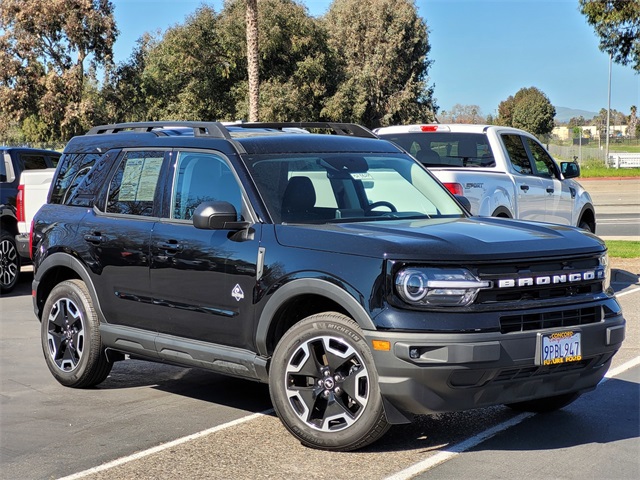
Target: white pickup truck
(503, 172)
(32, 194)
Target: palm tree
(633, 122)
(252, 59)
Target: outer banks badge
(237, 292)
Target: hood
(443, 240)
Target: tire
(324, 386)
(545, 405)
(585, 226)
(9, 262)
(70, 337)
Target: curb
(589, 179)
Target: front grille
(544, 274)
(538, 321)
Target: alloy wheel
(327, 383)
(65, 337)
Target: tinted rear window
(74, 168)
(449, 149)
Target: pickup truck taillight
(20, 203)
(454, 188)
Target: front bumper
(461, 371)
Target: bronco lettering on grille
(555, 279)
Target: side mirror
(570, 169)
(464, 201)
(217, 216)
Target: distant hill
(564, 114)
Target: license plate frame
(556, 348)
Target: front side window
(133, 187)
(517, 154)
(202, 177)
(544, 164)
(339, 187)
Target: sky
(482, 50)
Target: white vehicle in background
(502, 171)
(32, 194)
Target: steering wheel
(381, 203)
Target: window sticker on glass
(139, 179)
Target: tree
(505, 112)
(633, 121)
(462, 114)
(529, 110)
(49, 52)
(577, 121)
(296, 65)
(617, 23)
(199, 70)
(382, 75)
(124, 92)
(252, 59)
(187, 74)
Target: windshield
(341, 187)
(446, 149)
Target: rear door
(530, 191)
(117, 233)
(203, 281)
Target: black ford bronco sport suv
(333, 267)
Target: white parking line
(628, 292)
(164, 446)
(461, 447)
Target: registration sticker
(560, 347)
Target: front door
(203, 280)
(559, 198)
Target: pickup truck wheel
(324, 385)
(70, 337)
(585, 226)
(9, 262)
(545, 405)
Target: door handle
(94, 238)
(550, 190)
(524, 188)
(170, 246)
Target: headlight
(438, 286)
(606, 283)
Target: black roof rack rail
(219, 130)
(338, 128)
(200, 129)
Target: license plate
(560, 347)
